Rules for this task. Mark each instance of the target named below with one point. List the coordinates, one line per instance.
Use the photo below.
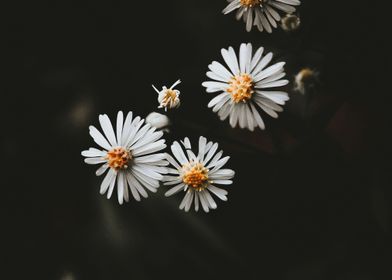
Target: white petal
(211, 152)
(137, 185)
(178, 152)
(257, 117)
(196, 201)
(210, 200)
(188, 203)
(263, 62)
(110, 176)
(217, 99)
(204, 203)
(220, 193)
(279, 97)
(94, 160)
(111, 187)
(214, 86)
(126, 129)
(269, 71)
(132, 182)
(243, 57)
(185, 200)
(231, 60)
(172, 161)
(150, 148)
(102, 169)
(220, 163)
(120, 187)
(93, 152)
(220, 70)
(256, 58)
(278, 83)
(99, 139)
(202, 146)
(150, 158)
(119, 126)
(175, 190)
(231, 7)
(108, 129)
(223, 182)
(149, 172)
(283, 7)
(215, 159)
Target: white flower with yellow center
(168, 98)
(198, 174)
(261, 13)
(245, 86)
(129, 155)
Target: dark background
(311, 197)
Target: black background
(311, 197)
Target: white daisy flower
(168, 98)
(198, 174)
(244, 86)
(261, 13)
(129, 155)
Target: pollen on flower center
(195, 175)
(170, 96)
(241, 88)
(118, 158)
(251, 3)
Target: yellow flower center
(170, 97)
(241, 88)
(251, 3)
(118, 158)
(195, 175)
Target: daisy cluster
(132, 155)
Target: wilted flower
(168, 98)
(197, 175)
(129, 155)
(290, 22)
(159, 121)
(244, 87)
(305, 79)
(261, 13)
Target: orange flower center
(118, 158)
(241, 88)
(251, 3)
(170, 97)
(195, 176)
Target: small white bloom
(168, 98)
(157, 120)
(305, 79)
(244, 87)
(261, 13)
(290, 22)
(197, 175)
(130, 156)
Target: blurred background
(311, 197)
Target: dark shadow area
(312, 194)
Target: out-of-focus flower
(168, 98)
(305, 79)
(260, 13)
(198, 174)
(159, 121)
(290, 22)
(129, 155)
(245, 85)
